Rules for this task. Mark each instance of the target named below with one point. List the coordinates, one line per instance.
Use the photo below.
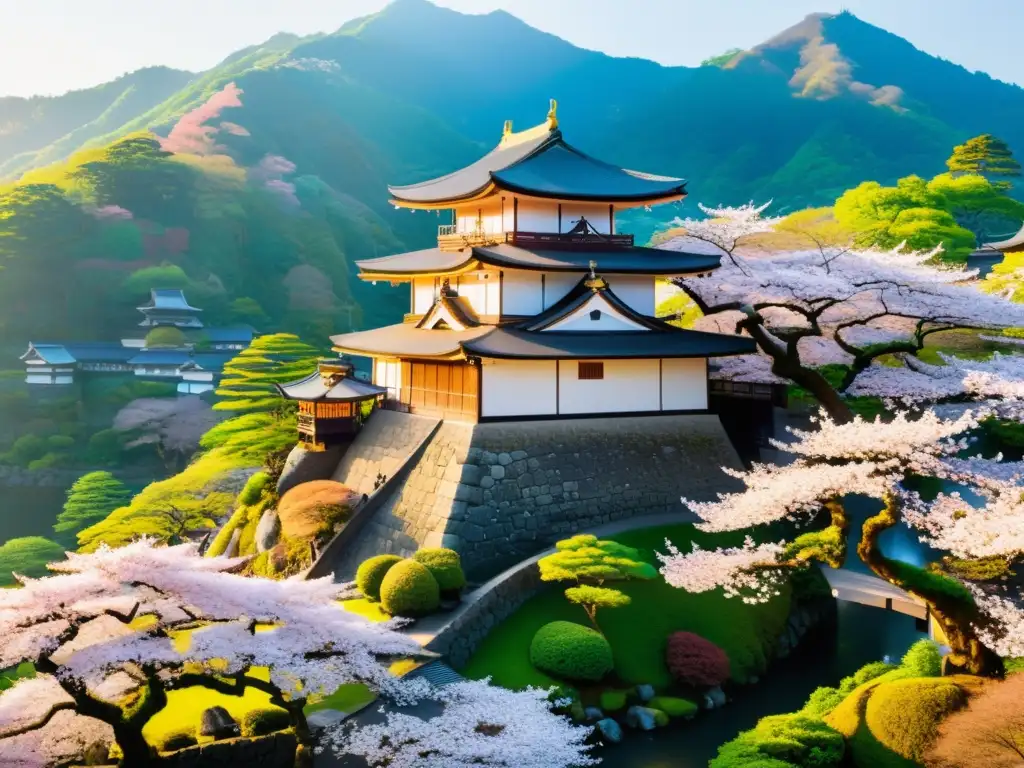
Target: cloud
(192, 135)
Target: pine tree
(249, 378)
(90, 499)
(985, 155)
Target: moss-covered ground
(637, 632)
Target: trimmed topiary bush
(572, 651)
(371, 573)
(903, 716)
(253, 489)
(445, 565)
(783, 741)
(674, 707)
(260, 722)
(182, 738)
(692, 660)
(409, 589)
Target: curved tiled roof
(317, 387)
(543, 165)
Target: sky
(53, 46)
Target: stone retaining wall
(382, 447)
(500, 492)
(276, 750)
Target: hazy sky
(52, 46)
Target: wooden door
(448, 390)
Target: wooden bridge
(870, 590)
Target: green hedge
(260, 722)
(180, 739)
(409, 589)
(902, 717)
(571, 651)
(446, 566)
(783, 741)
(371, 573)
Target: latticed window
(590, 370)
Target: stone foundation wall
(381, 448)
(500, 492)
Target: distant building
(168, 306)
(196, 372)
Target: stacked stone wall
(500, 492)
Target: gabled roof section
(454, 312)
(168, 299)
(1013, 243)
(611, 260)
(405, 339)
(583, 292)
(540, 163)
(316, 386)
(48, 354)
(160, 357)
(513, 343)
(238, 335)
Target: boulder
(232, 548)
(717, 695)
(301, 466)
(645, 693)
(611, 731)
(268, 530)
(593, 713)
(643, 718)
(216, 722)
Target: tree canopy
(985, 155)
(91, 498)
(249, 378)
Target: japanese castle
(195, 366)
(534, 304)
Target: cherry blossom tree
(94, 659)
(829, 304)
(875, 459)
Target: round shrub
(922, 659)
(181, 738)
(692, 660)
(446, 566)
(780, 741)
(409, 589)
(260, 722)
(904, 715)
(572, 651)
(371, 573)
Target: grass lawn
(637, 632)
(367, 609)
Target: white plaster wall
(519, 388)
(635, 290)
(628, 385)
(387, 373)
(521, 293)
(481, 290)
(489, 216)
(557, 284)
(684, 385)
(422, 295)
(610, 319)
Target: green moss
(253, 489)
(637, 632)
(674, 707)
(409, 589)
(994, 568)
(371, 573)
(613, 701)
(661, 719)
(827, 546)
(902, 719)
(571, 651)
(927, 582)
(922, 659)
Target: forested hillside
(257, 184)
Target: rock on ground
(643, 718)
(268, 530)
(610, 730)
(216, 722)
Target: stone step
(438, 673)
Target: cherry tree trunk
(954, 615)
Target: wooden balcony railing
(448, 239)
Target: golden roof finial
(553, 115)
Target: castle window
(595, 314)
(591, 371)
